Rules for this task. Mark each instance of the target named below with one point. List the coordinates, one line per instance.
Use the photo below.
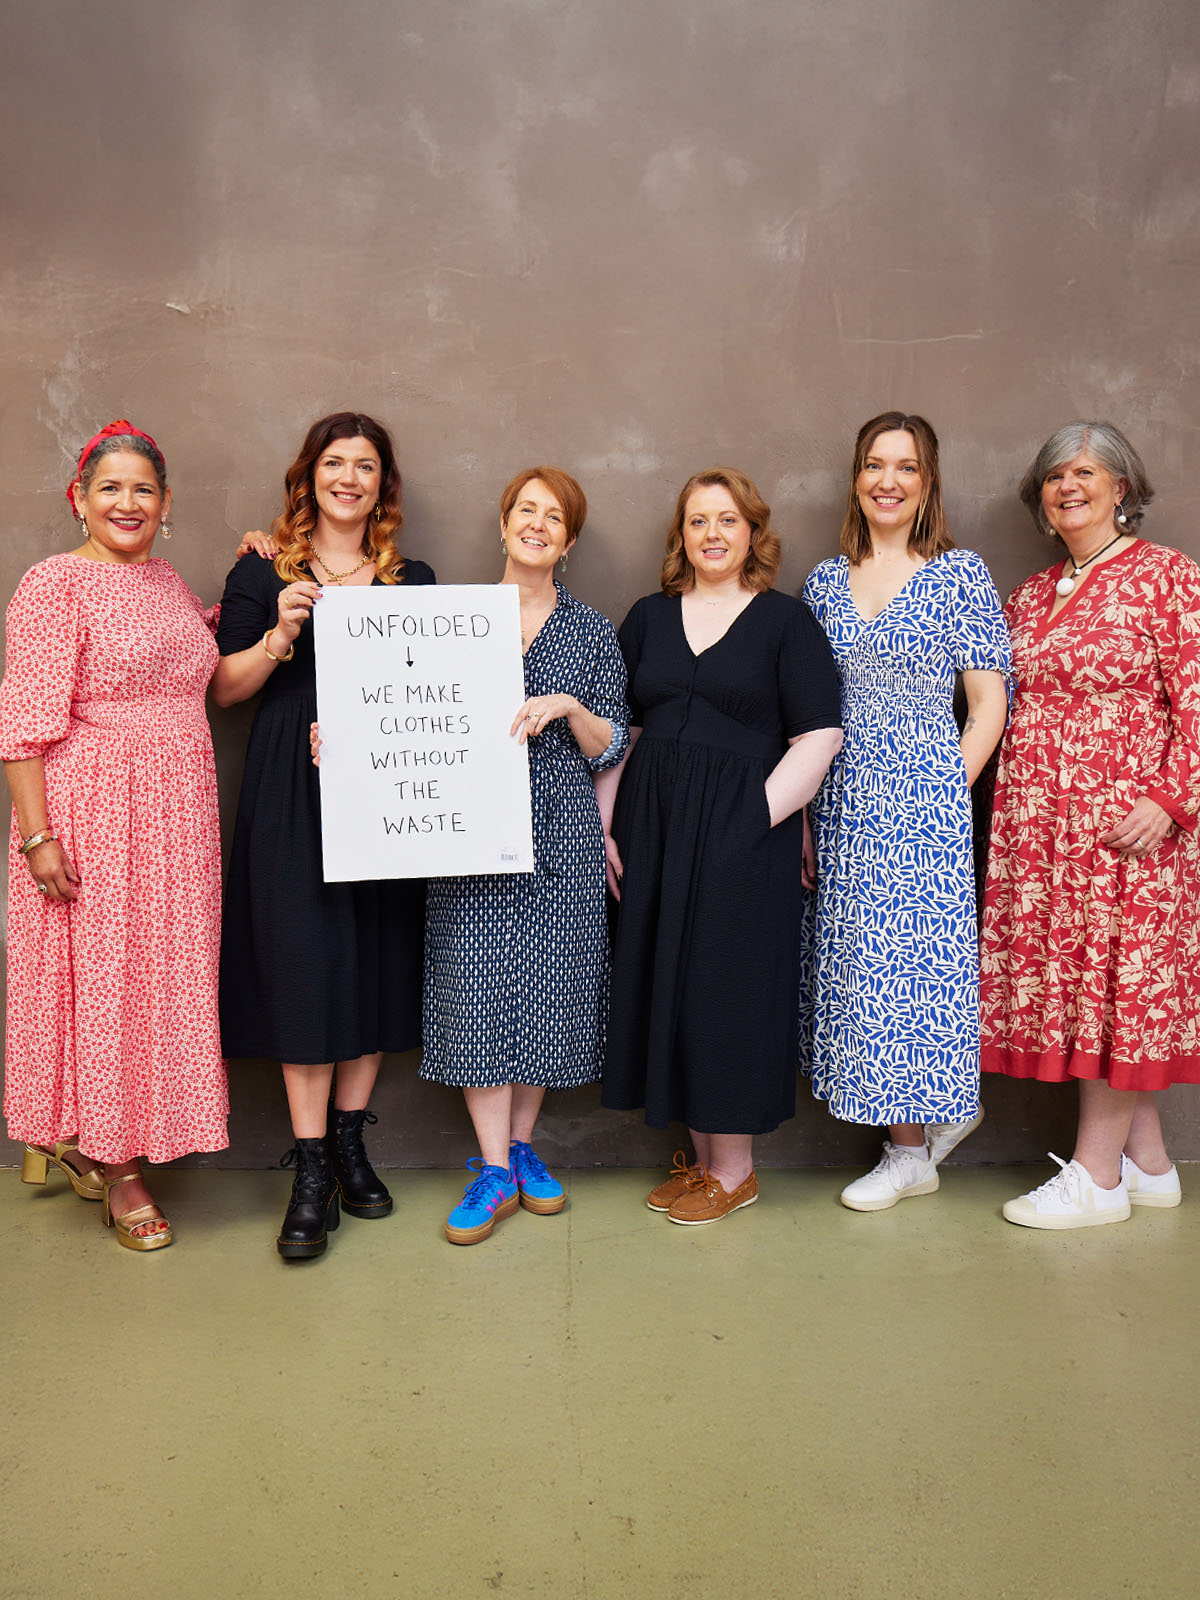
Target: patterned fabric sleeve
(980, 641)
(629, 637)
(1174, 623)
(41, 662)
(607, 697)
(815, 589)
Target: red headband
(119, 428)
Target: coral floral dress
(112, 998)
(1091, 958)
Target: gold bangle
(271, 653)
(43, 837)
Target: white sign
(416, 692)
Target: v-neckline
(869, 622)
(1050, 618)
(697, 654)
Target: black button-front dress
(703, 1027)
(310, 971)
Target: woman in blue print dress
(516, 965)
(889, 1018)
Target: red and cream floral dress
(1091, 958)
(112, 998)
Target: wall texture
(629, 239)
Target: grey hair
(135, 445)
(1107, 445)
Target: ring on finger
(43, 888)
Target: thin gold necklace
(337, 577)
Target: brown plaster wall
(631, 239)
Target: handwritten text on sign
(416, 691)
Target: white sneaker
(1069, 1200)
(898, 1175)
(1150, 1188)
(942, 1137)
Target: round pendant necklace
(1066, 584)
(337, 577)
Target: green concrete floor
(800, 1401)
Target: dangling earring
(1119, 517)
(379, 511)
(164, 529)
(87, 534)
(503, 546)
(563, 563)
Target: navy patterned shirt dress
(516, 964)
(889, 1015)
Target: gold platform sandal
(134, 1219)
(39, 1158)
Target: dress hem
(1049, 1066)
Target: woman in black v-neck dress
(735, 707)
(322, 977)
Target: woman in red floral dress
(113, 1049)
(1091, 936)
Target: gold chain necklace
(337, 577)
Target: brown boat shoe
(665, 1196)
(707, 1201)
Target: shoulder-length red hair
(293, 527)
(762, 562)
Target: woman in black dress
(735, 707)
(320, 976)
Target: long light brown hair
(930, 532)
(293, 527)
(765, 554)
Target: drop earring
(165, 529)
(1119, 517)
(378, 511)
(563, 562)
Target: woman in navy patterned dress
(516, 964)
(890, 998)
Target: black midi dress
(310, 971)
(706, 959)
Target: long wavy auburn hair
(293, 528)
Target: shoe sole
(1092, 1219)
(545, 1206)
(365, 1213)
(702, 1222)
(295, 1250)
(484, 1230)
(1162, 1201)
(930, 1186)
(956, 1141)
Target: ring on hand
(43, 889)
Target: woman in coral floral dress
(114, 893)
(1091, 938)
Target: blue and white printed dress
(516, 964)
(889, 1012)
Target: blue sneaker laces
(480, 1191)
(528, 1165)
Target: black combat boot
(312, 1212)
(363, 1193)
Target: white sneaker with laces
(1069, 1200)
(1150, 1188)
(899, 1174)
(942, 1137)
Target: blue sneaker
(540, 1190)
(492, 1195)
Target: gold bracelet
(271, 653)
(35, 839)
